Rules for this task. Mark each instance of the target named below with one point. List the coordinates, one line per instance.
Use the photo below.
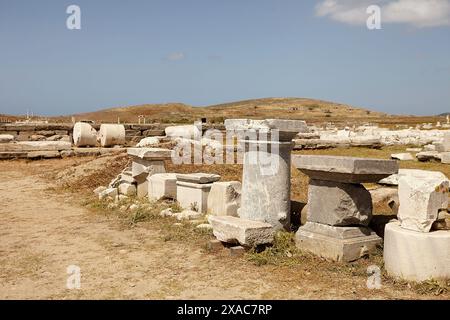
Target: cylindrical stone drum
(112, 134)
(84, 135)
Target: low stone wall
(24, 132)
(134, 132)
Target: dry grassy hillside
(178, 112)
(289, 108)
(312, 110)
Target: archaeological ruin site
(247, 195)
(225, 159)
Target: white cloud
(175, 56)
(418, 13)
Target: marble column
(267, 146)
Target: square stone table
(337, 200)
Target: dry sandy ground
(42, 233)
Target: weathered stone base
(416, 256)
(193, 196)
(342, 244)
(162, 185)
(245, 232)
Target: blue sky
(203, 52)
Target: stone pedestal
(416, 256)
(267, 146)
(343, 244)
(193, 190)
(339, 207)
(146, 162)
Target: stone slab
(344, 169)
(150, 153)
(35, 146)
(43, 154)
(192, 185)
(200, 178)
(392, 180)
(428, 156)
(337, 232)
(245, 232)
(13, 155)
(416, 256)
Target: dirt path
(42, 233)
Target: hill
(311, 110)
(284, 108)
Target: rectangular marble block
(162, 185)
(336, 243)
(237, 230)
(193, 195)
